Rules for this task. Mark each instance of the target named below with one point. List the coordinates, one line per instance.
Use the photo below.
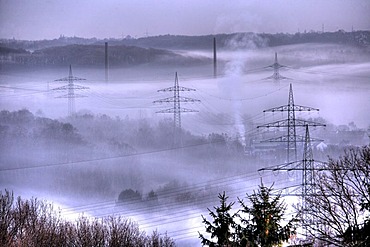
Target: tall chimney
(214, 58)
(106, 61)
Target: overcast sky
(47, 19)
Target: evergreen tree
(263, 224)
(222, 225)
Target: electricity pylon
(176, 109)
(290, 123)
(70, 88)
(308, 166)
(308, 178)
(276, 75)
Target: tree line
(204, 42)
(36, 223)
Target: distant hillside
(158, 50)
(224, 41)
(93, 55)
(32, 45)
(6, 51)
(247, 40)
(7, 54)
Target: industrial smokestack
(106, 61)
(214, 58)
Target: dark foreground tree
(34, 223)
(222, 225)
(129, 195)
(262, 222)
(341, 201)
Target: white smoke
(233, 84)
(246, 41)
(243, 44)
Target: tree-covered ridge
(157, 50)
(25, 125)
(113, 135)
(102, 155)
(93, 56)
(360, 37)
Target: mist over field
(115, 155)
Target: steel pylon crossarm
(66, 87)
(176, 110)
(172, 99)
(70, 95)
(276, 64)
(70, 88)
(179, 88)
(69, 78)
(289, 108)
(171, 110)
(299, 138)
(286, 123)
(291, 122)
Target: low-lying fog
(118, 142)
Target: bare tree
(339, 203)
(156, 240)
(34, 223)
(7, 230)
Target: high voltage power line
(176, 110)
(36, 91)
(206, 77)
(170, 193)
(136, 207)
(70, 88)
(183, 214)
(106, 158)
(166, 194)
(23, 89)
(153, 221)
(276, 75)
(243, 99)
(290, 123)
(109, 157)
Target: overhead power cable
(105, 158)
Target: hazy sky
(46, 19)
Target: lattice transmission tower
(308, 178)
(70, 88)
(308, 166)
(276, 75)
(291, 123)
(176, 110)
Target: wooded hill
(361, 38)
(157, 49)
(93, 55)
